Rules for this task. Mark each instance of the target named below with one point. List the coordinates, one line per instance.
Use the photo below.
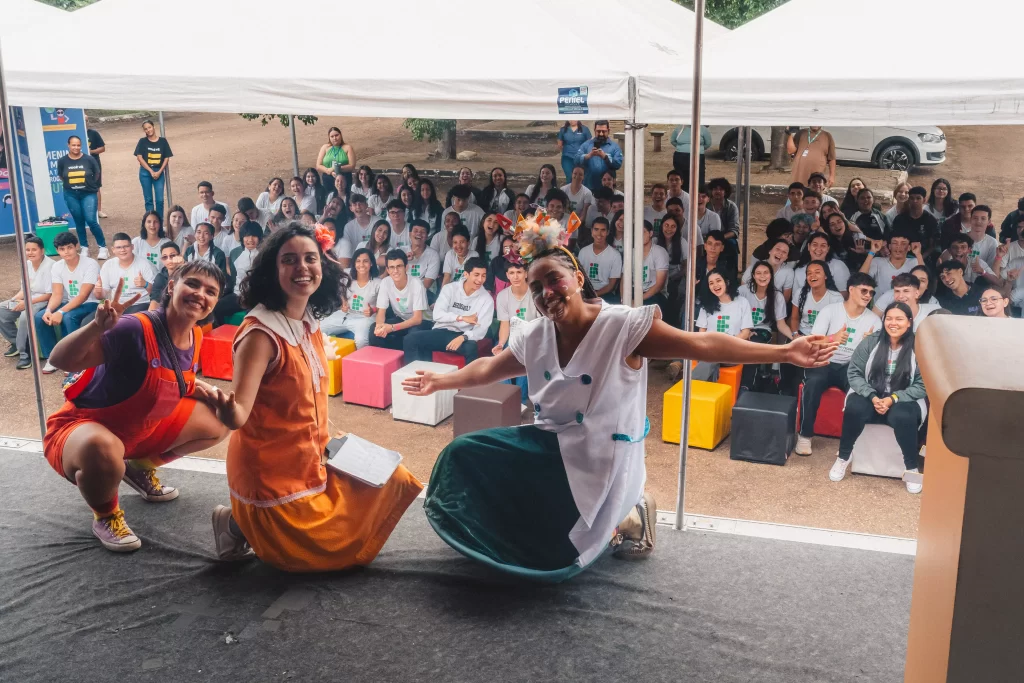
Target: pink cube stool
(367, 375)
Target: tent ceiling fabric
(785, 68)
(465, 69)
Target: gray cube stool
(496, 405)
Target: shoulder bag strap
(165, 344)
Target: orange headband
(575, 263)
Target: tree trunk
(446, 146)
(780, 157)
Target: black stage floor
(704, 607)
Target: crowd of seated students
(430, 276)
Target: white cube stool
(876, 452)
(428, 410)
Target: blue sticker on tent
(573, 100)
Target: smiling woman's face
(554, 288)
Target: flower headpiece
(324, 236)
(540, 232)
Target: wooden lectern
(967, 610)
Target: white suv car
(884, 146)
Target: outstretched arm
(664, 342)
(481, 371)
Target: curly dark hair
(261, 285)
(707, 300)
(566, 260)
(199, 267)
(830, 283)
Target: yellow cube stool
(710, 414)
(342, 348)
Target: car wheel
(896, 157)
(729, 145)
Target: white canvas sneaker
(838, 471)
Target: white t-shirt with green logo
(508, 306)
(655, 262)
(361, 298)
(86, 273)
(731, 318)
(601, 268)
(427, 266)
(145, 250)
(405, 302)
(812, 308)
(112, 271)
(833, 319)
(579, 200)
(453, 265)
(654, 216)
(757, 308)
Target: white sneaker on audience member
(84, 251)
(103, 255)
(49, 369)
(803, 445)
(838, 471)
(912, 487)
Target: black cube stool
(763, 428)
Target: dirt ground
(239, 156)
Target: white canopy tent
(26, 15)
(771, 71)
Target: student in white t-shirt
(909, 289)
(487, 242)
(179, 229)
(357, 310)
(818, 291)
(462, 315)
(226, 238)
(722, 310)
(399, 228)
(239, 262)
(201, 211)
(147, 245)
(15, 311)
(401, 301)
(655, 270)
(72, 298)
(135, 274)
(924, 291)
(769, 312)
(514, 305)
(455, 260)
(778, 259)
(424, 262)
(884, 270)
(656, 211)
(602, 262)
(819, 248)
(469, 214)
(962, 249)
(581, 199)
(520, 208)
(848, 323)
(354, 232)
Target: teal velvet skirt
(501, 497)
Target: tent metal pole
(14, 157)
(747, 158)
(741, 138)
(167, 171)
(628, 180)
(295, 146)
(691, 262)
(639, 143)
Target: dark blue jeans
(152, 191)
(82, 206)
(72, 321)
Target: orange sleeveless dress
(296, 514)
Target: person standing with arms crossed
(153, 153)
(81, 177)
(96, 147)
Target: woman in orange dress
(294, 513)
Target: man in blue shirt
(599, 154)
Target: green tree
(733, 13)
(264, 119)
(441, 131)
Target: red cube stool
(483, 349)
(367, 375)
(829, 421)
(215, 354)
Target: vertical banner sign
(573, 101)
(17, 166)
(58, 126)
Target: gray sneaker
(635, 536)
(230, 547)
(115, 534)
(146, 483)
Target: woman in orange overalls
(295, 513)
(129, 402)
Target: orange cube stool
(215, 354)
(728, 374)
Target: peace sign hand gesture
(110, 311)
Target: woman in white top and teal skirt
(544, 501)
